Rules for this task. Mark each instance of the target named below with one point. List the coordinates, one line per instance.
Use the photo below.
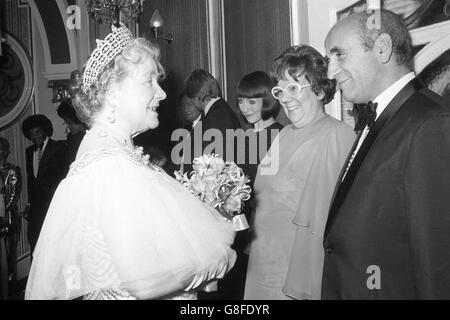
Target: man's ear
(383, 48)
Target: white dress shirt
(37, 155)
(196, 121)
(382, 101)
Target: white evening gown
(116, 226)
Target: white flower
(221, 185)
(208, 165)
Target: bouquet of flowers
(222, 185)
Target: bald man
(387, 235)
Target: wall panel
(256, 32)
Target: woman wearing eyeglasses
(286, 256)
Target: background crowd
(350, 213)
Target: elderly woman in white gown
(119, 227)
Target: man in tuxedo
(387, 234)
(46, 167)
(216, 117)
(205, 93)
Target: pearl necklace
(136, 152)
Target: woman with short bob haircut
(258, 85)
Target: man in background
(215, 113)
(206, 95)
(46, 167)
(191, 117)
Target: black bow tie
(38, 146)
(365, 115)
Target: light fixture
(115, 11)
(156, 23)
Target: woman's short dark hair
(37, 121)
(66, 111)
(307, 61)
(259, 85)
(202, 85)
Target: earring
(112, 115)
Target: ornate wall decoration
(16, 81)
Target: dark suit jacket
(390, 220)
(52, 169)
(73, 143)
(220, 117)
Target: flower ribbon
(240, 222)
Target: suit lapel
(29, 160)
(384, 119)
(210, 111)
(344, 168)
(202, 117)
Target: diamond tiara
(105, 52)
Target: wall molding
(299, 22)
(55, 71)
(216, 43)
